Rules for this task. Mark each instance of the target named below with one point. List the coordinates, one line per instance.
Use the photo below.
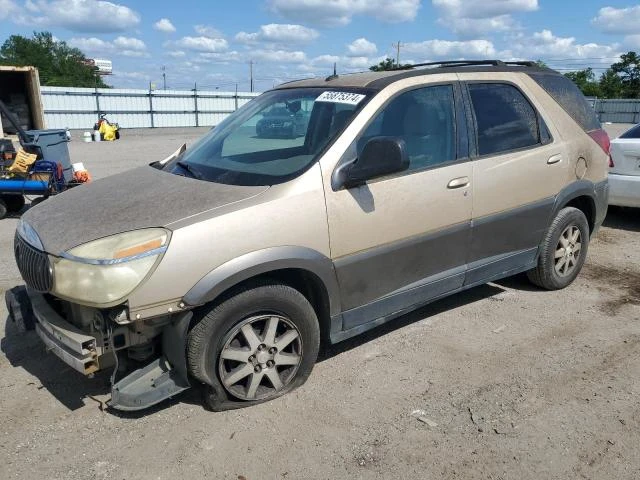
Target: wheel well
(306, 282)
(587, 205)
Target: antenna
(334, 76)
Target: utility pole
(164, 77)
(397, 47)
(251, 74)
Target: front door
(401, 240)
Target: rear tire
(3, 209)
(254, 346)
(563, 250)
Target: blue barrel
(28, 187)
(53, 144)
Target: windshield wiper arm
(194, 173)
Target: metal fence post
(98, 102)
(195, 102)
(151, 105)
(236, 97)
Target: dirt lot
(513, 382)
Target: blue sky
(211, 43)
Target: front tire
(563, 250)
(254, 346)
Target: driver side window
(425, 119)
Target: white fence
(78, 108)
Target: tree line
(620, 80)
(58, 64)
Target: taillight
(602, 138)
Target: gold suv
(361, 198)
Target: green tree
(611, 85)
(387, 64)
(58, 64)
(586, 81)
(628, 69)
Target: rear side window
(632, 133)
(570, 98)
(505, 120)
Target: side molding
(262, 261)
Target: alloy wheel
(260, 357)
(568, 251)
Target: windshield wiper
(194, 173)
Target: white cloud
(208, 31)
(128, 43)
(471, 18)
(278, 56)
(618, 20)
(277, 33)
(325, 60)
(95, 16)
(484, 8)
(220, 58)
(445, 49)
(358, 63)
(546, 46)
(478, 27)
(7, 8)
(176, 53)
(340, 12)
(361, 47)
(91, 45)
(164, 25)
(203, 44)
(121, 46)
(632, 41)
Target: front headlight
(103, 272)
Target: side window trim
(460, 127)
(462, 132)
(473, 122)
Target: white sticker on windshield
(341, 97)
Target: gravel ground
(507, 381)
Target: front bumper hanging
(161, 379)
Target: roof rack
(468, 63)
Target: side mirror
(380, 156)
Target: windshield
(273, 138)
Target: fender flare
(267, 260)
(580, 188)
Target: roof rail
(468, 63)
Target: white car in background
(624, 175)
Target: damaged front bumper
(162, 378)
(67, 342)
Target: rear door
(403, 239)
(518, 170)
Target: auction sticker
(341, 97)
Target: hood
(140, 198)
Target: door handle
(554, 159)
(459, 182)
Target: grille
(34, 266)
